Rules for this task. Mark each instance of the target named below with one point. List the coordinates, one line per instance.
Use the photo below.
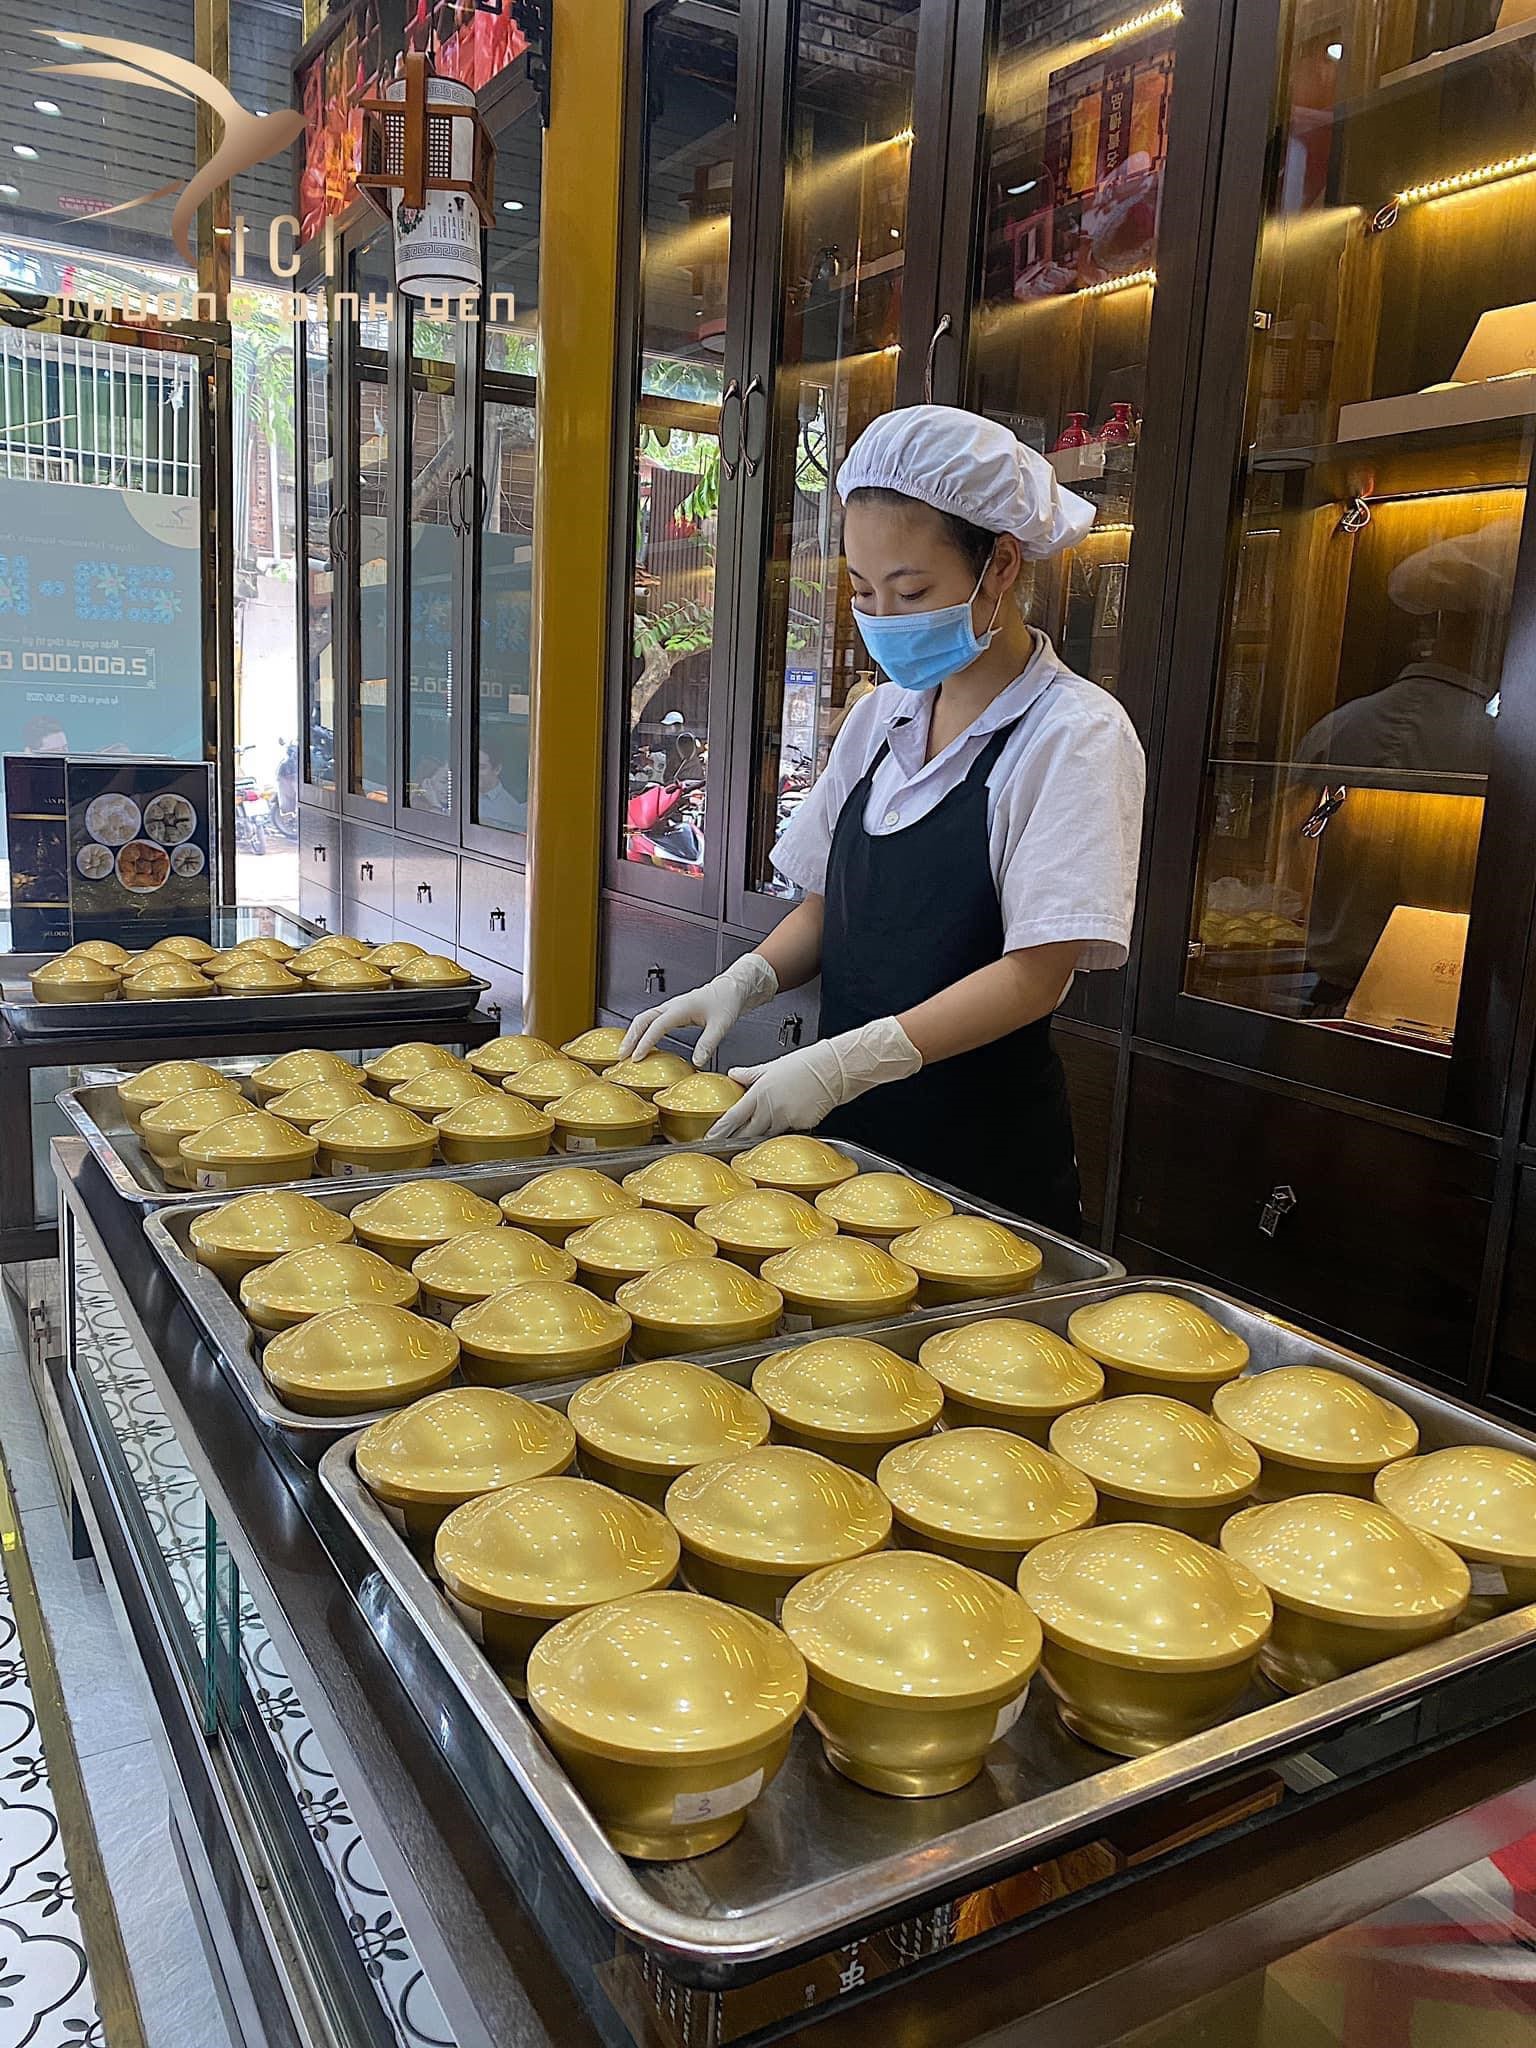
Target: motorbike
(253, 806)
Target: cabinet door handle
(320, 853)
(753, 463)
(655, 979)
(320, 921)
(423, 892)
(945, 326)
(365, 871)
(1282, 1200)
(498, 920)
(791, 1031)
(732, 396)
(493, 1010)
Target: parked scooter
(253, 806)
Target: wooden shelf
(1442, 63)
(1410, 781)
(1483, 455)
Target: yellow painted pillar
(578, 324)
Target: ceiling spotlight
(46, 106)
(23, 149)
(511, 206)
(1335, 51)
(1018, 191)
(10, 191)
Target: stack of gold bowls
(324, 952)
(1149, 1635)
(1350, 1582)
(1152, 1343)
(555, 1205)
(600, 1048)
(491, 1126)
(754, 1525)
(291, 1070)
(690, 1108)
(516, 1562)
(797, 1164)
(1482, 1502)
(882, 1206)
(340, 977)
(1008, 1374)
(965, 1258)
(405, 1221)
(848, 1399)
(107, 951)
(162, 1082)
(77, 978)
(640, 1428)
(671, 1714)
(303, 1284)
(698, 1305)
(500, 1057)
(431, 970)
(394, 954)
(757, 1225)
(649, 1076)
(543, 1082)
(683, 1183)
(439, 1090)
(185, 946)
(253, 1230)
(163, 978)
(348, 1359)
(599, 1117)
(917, 1666)
(1161, 1461)
(540, 1330)
(983, 1497)
(374, 1138)
(401, 1063)
(1316, 1431)
(313, 1103)
(630, 1243)
(164, 1124)
(249, 974)
(476, 1264)
(247, 1150)
(840, 1280)
(453, 1447)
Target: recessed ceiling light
(511, 206)
(68, 43)
(23, 149)
(1018, 191)
(10, 191)
(1335, 51)
(46, 106)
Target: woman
(971, 846)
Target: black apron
(907, 914)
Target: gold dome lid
(493, 1113)
(632, 1241)
(432, 970)
(1011, 1367)
(374, 1126)
(986, 1487)
(499, 1057)
(1330, 1555)
(335, 942)
(293, 1069)
(700, 1092)
(840, 1272)
(550, 1322)
(315, 1102)
(266, 947)
(644, 1077)
(394, 954)
(1478, 1499)
(778, 1509)
(552, 1547)
(667, 1675)
(251, 975)
(882, 1204)
(215, 964)
(1146, 1599)
(1306, 1415)
(193, 1111)
(602, 1046)
(902, 1625)
(341, 977)
(422, 1212)
(848, 1387)
(685, 1182)
(249, 1134)
(701, 1295)
(764, 1221)
(310, 959)
(268, 1222)
(166, 978)
(1146, 1447)
(543, 1082)
(600, 1106)
(345, 1359)
(970, 1248)
(439, 1089)
(305, 1283)
(666, 1416)
(185, 946)
(76, 977)
(462, 1442)
(800, 1165)
(1158, 1334)
(165, 1079)
(387, 1070)
(107, 951)
(479, 1263)
(566, 1198)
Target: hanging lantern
(429, 163)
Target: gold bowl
(185, 946)
(328, 945)
(670, 1713)
(602, 1046)
(1316, 1430)
(543, 1082)
(683, 1183)
(304, 1284)
(841, 1280)
(249, 1149)
(1149, 1635)
(1151, 1343)
(599, 1117)
(163, 1081)
(964, 1258)
(1157, 1460)
(405, 1221)
(499, 1057)
(847, 1398)
(557, 1204)
(539, 1330)
(631, 1242)
(642, 1426)
(107, 951)
(1005, 1373)
(253, 975)
(649, 1076)
(1482, 1502)
(237, 1237)
(517, 1560)
(798, 1164)
(984, 1497)
(752, 1227)
(882, 1206)
(374, 1137)
(313, 1103)
(164, 1124)
(265, 946)
(430, 970)
(454, 1446)
(440, 1089)
(690, 1108)
(1350, 1582)
(754, 1525)
(479, 1263)
(292, 1070)
(346, 1359)
(386, 1070)
(394, 953)
(698, 1304)
(345, 977)
(77, 978)
(166, 978)
(493, 1125)
(917, 1666)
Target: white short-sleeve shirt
(1064, 802)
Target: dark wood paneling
(1384, 1242)
(493, 903)
(647, 955)
(426, 889)
(368, 867)
(1514, 1355)
(1090, 1067)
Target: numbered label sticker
(1007, 1716)
(346, 1169)
(471, 1617)
(209, 1177)
(688, 1808)
(575, 1142)
(795, 1320)
(396, 1515)
(1488, 1582)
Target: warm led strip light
(1148, 18)
(1466, 181)
(1116, 284)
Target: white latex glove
(716, 1006)
(796, 1092)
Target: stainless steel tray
(169, 1226)
(818, 1859)
(387, 1008)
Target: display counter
(353, 1894)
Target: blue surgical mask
(920, 650)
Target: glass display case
(435, 526)
(319, 511)
(370, 775)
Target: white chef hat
(1470, 572)
(976, 468)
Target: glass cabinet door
(436, 480)
(319, 508)
(369, 759)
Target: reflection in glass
(512, 254)
(506, 603)
(438, 481)
(369, 767)
(319, 740)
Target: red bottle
(1121, 426)
(1075, 433)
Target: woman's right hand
(714, 1007)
